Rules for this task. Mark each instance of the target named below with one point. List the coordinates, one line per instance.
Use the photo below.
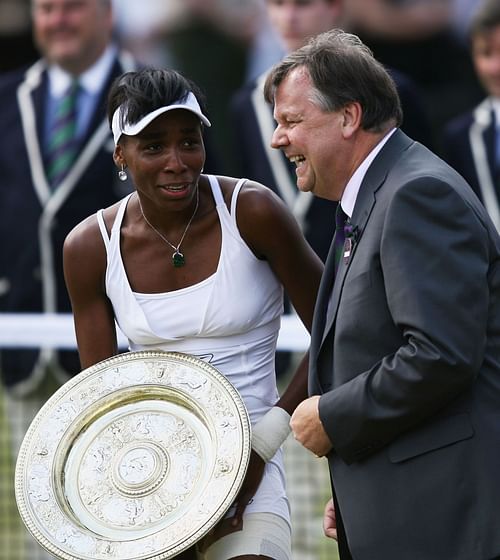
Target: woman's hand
(253, 477)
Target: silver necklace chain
(178, 259)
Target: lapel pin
(351, 235)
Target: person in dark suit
(295, 22)
(471, 141)
(75, 39)
(252, 120)
(36, 213)
(404, 372)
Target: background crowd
(447, 70)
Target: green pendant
(178, 259)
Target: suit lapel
(363, 208)
(365, 201)
(324, 294)
(30, 95)
(30, 100)
(480, 137)
(91, 147)
(319, 318)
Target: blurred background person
(140, 28)
(213, 42)
(471, 141)
(424, 39)
(295, 22)
(56, 169)
(16, 41)
(217, 43)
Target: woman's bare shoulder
(251, 192)
(84, 237)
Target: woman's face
(165, 159)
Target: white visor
(119, 125)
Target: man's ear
(352, 114)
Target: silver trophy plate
(137, 457)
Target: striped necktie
(339, 237)
(62, 147)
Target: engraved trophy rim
(137, 456)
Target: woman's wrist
(269, 433)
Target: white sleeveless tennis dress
(230, 320)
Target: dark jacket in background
(35, 221)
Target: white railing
(18, 330)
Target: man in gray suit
(405, 347)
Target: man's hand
(307, 427)
(329, 520)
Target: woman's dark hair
(149, 89)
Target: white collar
(351, 190)
(91, 80)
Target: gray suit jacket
(407, 360)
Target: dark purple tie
(339, 237)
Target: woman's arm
(84, 259)
(273, 234)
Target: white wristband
(270, 432)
